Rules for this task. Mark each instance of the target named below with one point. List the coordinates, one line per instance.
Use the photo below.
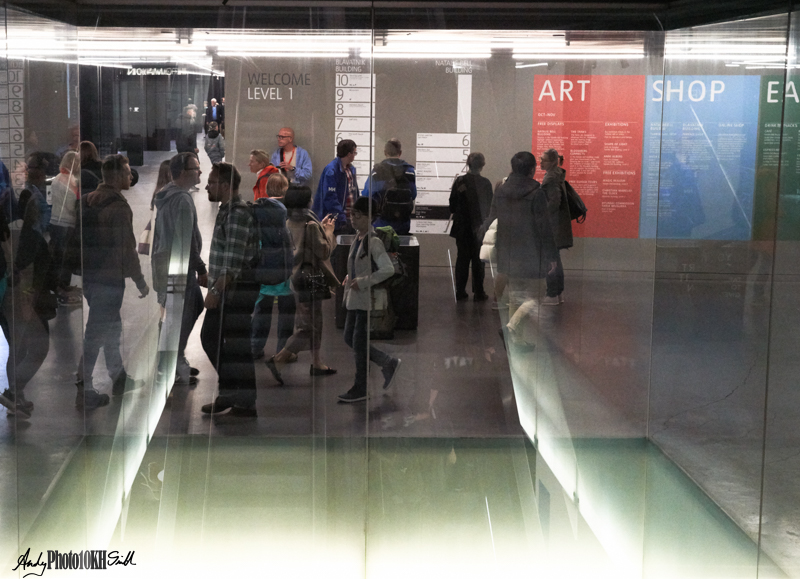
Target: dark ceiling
(322, 14)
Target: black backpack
(275, 259)
(577, 210)
(396, 205)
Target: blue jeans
(103, 328)
(262, 321)
(356, 334)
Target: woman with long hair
(65, 194)
(313, 241)
(91, 176)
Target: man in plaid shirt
(231, 295)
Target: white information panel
(441, 157)
(12, 119)
(352, 109)
(436, 169)
(428, 226)
(434, 197)
(443, 140)
(354, 80)
(354, 118)
(353, 123)
(435, 183)
(445, 154)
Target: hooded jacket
(525, 243)
(176, 220)
(215, 146)
(109, 245)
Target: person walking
(313, 241)
(231, 296)
(368, 264)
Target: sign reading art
(595, 122)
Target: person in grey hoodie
(214, 143)
(175, 235)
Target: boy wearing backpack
(367, 265)
(392, 186)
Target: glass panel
(779, 525)
(714, 230)
(42, 309)
(491, 427)
(283, 466)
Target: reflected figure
(553, 185)
(91, 167)
(215, 113)
(679, 207)
(214, 144)
(393, 187)
(470, 202)
(282, 292)
(293, 161)
(525, 244)
(176, 223)
(338, 188)
(38, 166)
(33, 305)
(186, 141)
(65, 190)
(368, 265)
(109, 250)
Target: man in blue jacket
(293, 161)
(396, 175)
(338, 188)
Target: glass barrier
(42, 305)
(714, 227)
(779, 514)
(485, 301)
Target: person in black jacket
(470, 199)
(34, 304)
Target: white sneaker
(550, 301)
(561, 298)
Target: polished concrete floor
(632, 354)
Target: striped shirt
(234, 244)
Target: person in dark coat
(525, 244)
(470, 199)
(186, 141)
(558, 209)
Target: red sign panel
(596, 123)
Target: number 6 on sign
(465, 141)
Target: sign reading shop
(275, 86)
